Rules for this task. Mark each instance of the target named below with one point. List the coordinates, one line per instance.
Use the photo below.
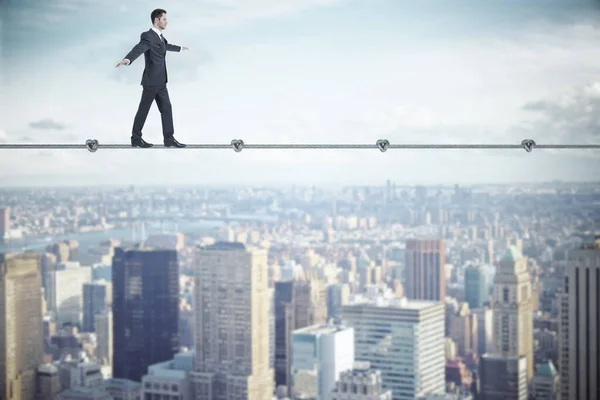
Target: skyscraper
(404, 339)
(21, 326)
(425, 263)
(4, 222)
(95, 300)
(65, 291)
(145, 310)
(513, 318)
(583, 291)
(298, 304)
(476, 285)
(232, 323)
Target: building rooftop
(323, 329)
(118, 383)
(220, 245)
(546, 369)
(388, 300)
(512, 254)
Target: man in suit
(154, 80)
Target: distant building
(400, 337)
(232, 322)
(95, 300)
(319, 354)
(103, 324)
(48, 382)
(145, 310)
(80, 373)
(85, 394)
(361, 383)
(582, 363)
(298, 304)
(124, 389)
(4, 222)
(21, 325)
(513, 316)
(545, 383)
(503, 377)
(170, 378)
(65, 292)
(476, 286)
(425, 267)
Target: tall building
(95, 301)
(21, 325)
(425, 269)
(232, 323)
(319, 354)
(513, 317)
(464, 331)
(4, 222)
(476, 285)
(404, 339)
(485, 330)
(583, 291)
(337, 295)
(65, 291)
(145, 310)
(103, 324)
(361, 383)
(298, 304)
(563, 339)
(503, 377)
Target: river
(90, 239)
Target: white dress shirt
(158, 32)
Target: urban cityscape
(383, 292)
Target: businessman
(154, 46)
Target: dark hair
(157, 14)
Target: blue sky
(305, 71)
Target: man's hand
(184, 48)
(124, 62)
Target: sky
(304, 71)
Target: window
(505, 295)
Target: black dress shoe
(171, 142)
(139, 142)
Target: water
(90, 239)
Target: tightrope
(238, 145)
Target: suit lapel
(157, 37)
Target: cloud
(47, 123)
(572, 117)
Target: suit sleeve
(172, 47)
(139, 48)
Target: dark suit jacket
(154, 50)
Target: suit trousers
(161, 95)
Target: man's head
(159, 18)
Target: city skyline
(263, 293)
(306, 71)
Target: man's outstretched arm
(137, 50)
(172, 47)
